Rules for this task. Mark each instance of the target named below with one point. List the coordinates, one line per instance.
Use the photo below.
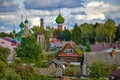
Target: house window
(68, 51)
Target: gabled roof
(75, 54)
(90, 57)
(56, 62)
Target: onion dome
(26, 21)
(60, 19)
(21, 25)
(14, 32)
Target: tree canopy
(4, 52)
(29, 50)
(76, 34)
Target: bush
(3, 69)
(11, 75)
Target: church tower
(41, 36)
(26, 32)
(60, 20)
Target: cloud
(3, 29)
(8, 6)
(52, 4)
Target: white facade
(8, 44)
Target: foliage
(76, 34)
(100, 33)
(88, 48)
(100, 69)
(118, 33)
(73, 71)
(110, 30)
(11, 75)
(4, 52)
(66, 35)
(87, 32)
(3, 68)
(36, 30)
(3, 34)
(57, 34)
(29, 50)
(78, 50)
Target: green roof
(60, 19)
(21, 25)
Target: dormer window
(69, 51)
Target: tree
(3, 34)
(76, 34)
(57, 34)
(4, 52)
(87, 32)
(36, 30)
(29, 50)
(88, 48)
(100, 33)
(66, 35)
(99, 70)
(3, 68)
(110, 30)
(118, 33)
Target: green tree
(88, 48)
(57, 34)
(36, 30)
(11, 75)
(76, 34)
(3, 68)
(87, 32)
(29, 50)
(3, 34)
(99, 70)
(110, 30)
(4, 52)
(66, 35)
(100, 33)
(118, 33)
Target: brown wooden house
(68, 53)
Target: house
(9, 43)
(68, 53)
(55, 69)
(111, 58)
(55, 64)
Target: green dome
(60, 19)
(14, 32)
(21, 25)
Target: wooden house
(111, 58)
(68, 53)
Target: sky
(73, 11)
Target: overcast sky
(74, 11)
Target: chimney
(113, 54)
(68, 64)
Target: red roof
(61, 53)
(54, 40)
